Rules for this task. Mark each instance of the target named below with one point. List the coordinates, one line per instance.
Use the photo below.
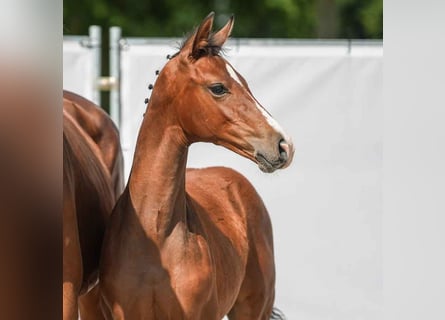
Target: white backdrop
(325, 208)
(78, 67)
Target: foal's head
(213, 102)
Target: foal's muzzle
(280, 158)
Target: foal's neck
(157, 179)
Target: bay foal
(92, 181)
(195, 244)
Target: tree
(263, 18)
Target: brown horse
(92, 181)
(197, 243)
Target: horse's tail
(277, 314)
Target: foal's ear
(222, 35)
(202, 35)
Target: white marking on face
(271, 121)
(233, 74)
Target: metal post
(95, 34)
(115, 37)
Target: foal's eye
(218, 89)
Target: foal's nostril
(283, 148)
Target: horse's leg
(256, 306)
(257, 294)
(69, 302)
(89, 305)
(72, 258)
(256, 297)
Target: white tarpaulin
(78, 67)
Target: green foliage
(260, 18)
(372, 18)
(361, 18)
